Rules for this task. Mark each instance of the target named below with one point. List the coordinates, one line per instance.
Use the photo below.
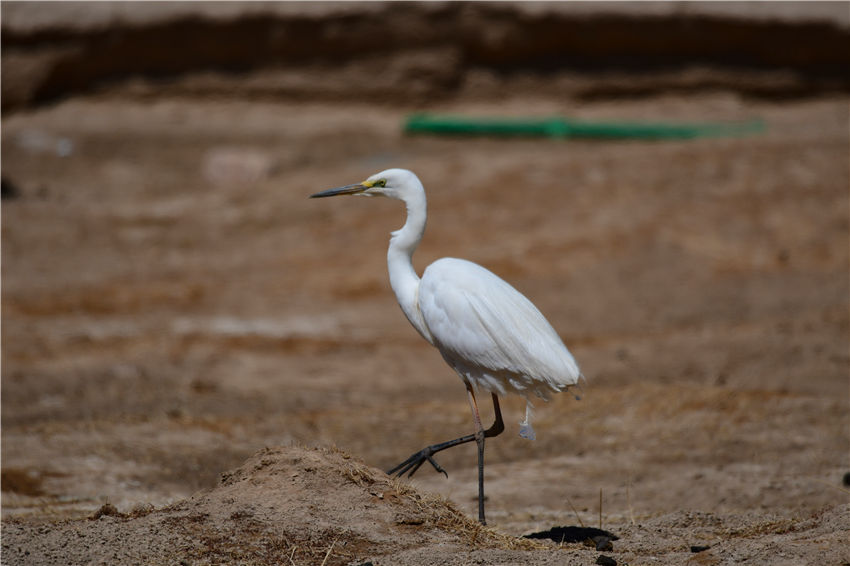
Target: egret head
(393, 183)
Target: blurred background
(172, 301)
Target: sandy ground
(173, 304)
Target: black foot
(413, 463)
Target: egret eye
(380, 183)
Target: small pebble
(606, 560)
(107, 509)
(699, 548)
(603, 543)
(9, 189)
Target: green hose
(568, 128)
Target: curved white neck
(403, 277)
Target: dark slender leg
(498, 426)
(412, 464)
(479, 440)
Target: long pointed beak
(346, 190)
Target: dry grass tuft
(431, 510)
(774, 527)
(442, 514)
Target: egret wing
(490, 333)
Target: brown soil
(173, 303)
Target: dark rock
(573, 534)
(9, 189)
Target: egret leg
(412, 464)
(479, 440)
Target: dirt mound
(295, 505)
(283, 505)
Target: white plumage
(487, 331)
(493, 336)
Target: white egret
(487, 331)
